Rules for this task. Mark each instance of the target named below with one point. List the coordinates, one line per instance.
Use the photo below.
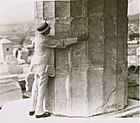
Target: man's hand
(82, 37)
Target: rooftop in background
(5, 41)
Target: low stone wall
(10, 69)
(9, 89)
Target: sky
(20, 11)
(133, 7)
(16, 11)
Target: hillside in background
(133, 26)
(134, 19)
(19, 33)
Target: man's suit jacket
(43, 57)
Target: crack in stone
(109, 97)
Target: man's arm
(63, 43)
(60, 43)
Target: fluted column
(90, 75)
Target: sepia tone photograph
(69, 61)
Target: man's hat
(43, 27)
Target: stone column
(90, 75)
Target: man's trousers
(38, 93)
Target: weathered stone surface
(39, 9)
(78, 8)
(78, 79)
(90, 75)
(50, 96)
(62, 9)
(78, 26)
(122, 23)
(60, 80)
(98, 8)
(96, 54)
(48, 9)
(122, 7)
(62, 28)
(9, 89)
(95, 89)
(110, 30)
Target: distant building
(6, 48)
(1, 37)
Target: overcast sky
(18, 11)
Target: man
(42, 65)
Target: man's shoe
(48, 112)
(31, 113)
(43, 115)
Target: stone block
(109, 76)
(60, 93)
(38, 9)
(110, 8)
(118, 26)
(122, 6)
(97, 32)
(122, 26)
(95, 54)
(110, 12)
(78, 26)
(78, 55)
(51, 21)
(62, 9)
(111, 41)
(120, 89)
(50, 95)
(79, 86)
(121, 40)
(38, 4)
(48, 9)
(62, 29)
(61, 55)
(110, 26)
(98, 8)
(78, 8)
(62, 69)
(110, 3)
(110, 57)
(9, 89)
(121, 53)
(95, 82)
(109, 86)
